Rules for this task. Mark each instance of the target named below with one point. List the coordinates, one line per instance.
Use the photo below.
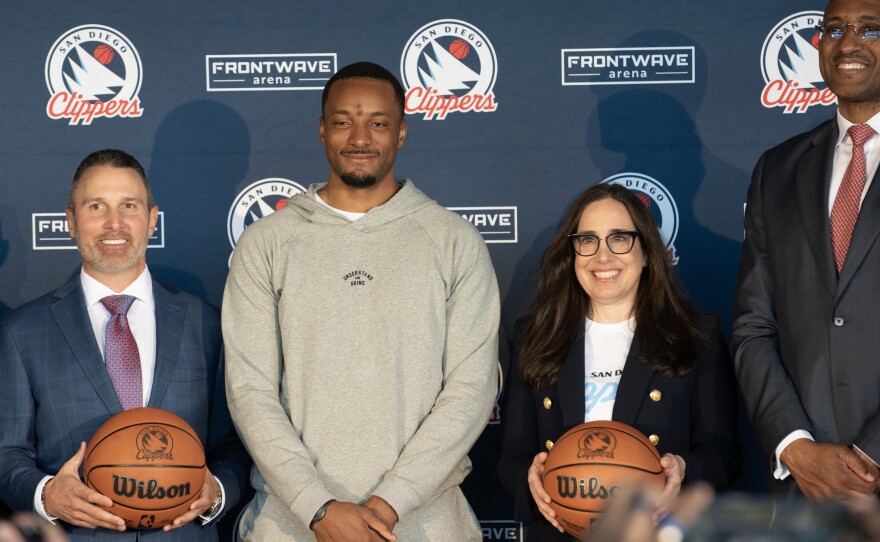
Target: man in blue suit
(55, 389)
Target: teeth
(852, 66)
(606, 274)
(114, 241)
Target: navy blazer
(695, 417)
(55, 392)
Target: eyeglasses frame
(573, 236)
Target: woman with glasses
(611, 335)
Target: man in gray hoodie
(360, 325)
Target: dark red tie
(121, 353)
(845, 210)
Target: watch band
(319, 515)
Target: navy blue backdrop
(513, 109)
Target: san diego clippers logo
(597, 443)
(93, 71)
(659, 202)
(790, 65)
(448, 66)
(154, 442)
(259, 200)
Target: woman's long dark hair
(667, 328)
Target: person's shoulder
(799, 143)
(191, 301)
(38, 306)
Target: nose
(360, 135)
(113, 219)
(604, 253)
(850, 41)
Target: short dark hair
(368, 70)
(113, 158)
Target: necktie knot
(118, 304)
(860, 133)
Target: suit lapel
(632, 388)
(571, 385)
(72, 316)
(170, 314)
(864, 235)
(813, 183)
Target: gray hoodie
(361, 359)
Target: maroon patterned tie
(845, 210)
(121, 353)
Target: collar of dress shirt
(843, 125)
(141, 288)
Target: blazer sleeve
(773, 404)
(714, 455)
(519, 437)
(19, 473)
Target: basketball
(103, 54)
(459, 49)
(149, 462)
(589, 464)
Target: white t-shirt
(605, 352)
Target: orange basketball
(588, 465)
(103, 54)
(459, 49)
(149, 462)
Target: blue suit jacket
(695, 418)
(55, 392)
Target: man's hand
(828, 471)
(383, 510)
(209, 493)
(70, 500)
(349, 522)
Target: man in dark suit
(805, 337)
(56, 389)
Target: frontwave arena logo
(790, 65)
(93, 71)
(448, 66)
(659, 202)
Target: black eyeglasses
(865, 32)
(587, 244)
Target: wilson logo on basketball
(93, 71)
(596, 443)
(154, 443)
(447, 66)
(591, 488)
(127, 486)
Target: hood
(406, 201)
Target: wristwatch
(319, 515)
(215, 507)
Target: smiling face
(112, 224)
(610, 280)
(851, 66)
(361, 130)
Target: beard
(92, 255)
(358, 181)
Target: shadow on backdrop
(4, 253)
(639, 129)
(200, 158)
